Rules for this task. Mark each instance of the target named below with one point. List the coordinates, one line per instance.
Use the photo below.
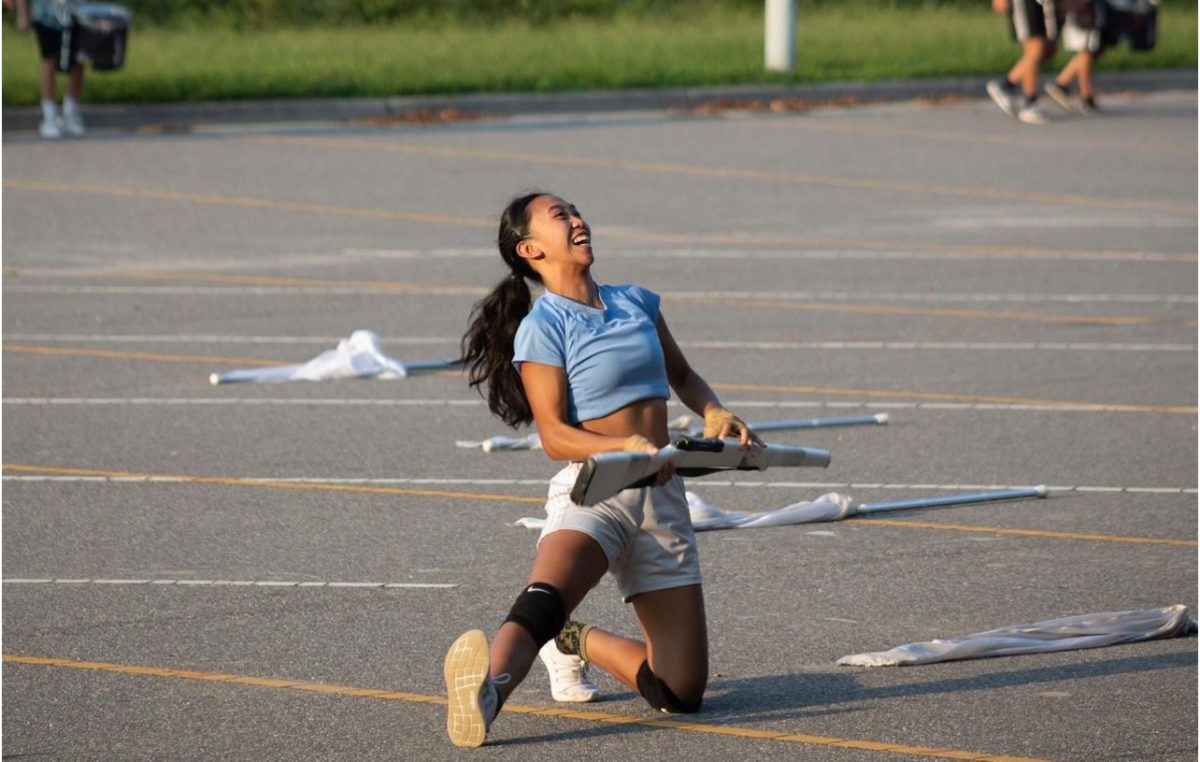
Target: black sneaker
(1059, 95)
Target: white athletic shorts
(646, 533)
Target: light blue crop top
(612, 356)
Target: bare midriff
(647, 417)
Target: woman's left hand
(720, 423)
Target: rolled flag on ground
(500, 444)
(1065, 634)
(828, 507)
(359, 356)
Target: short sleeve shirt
(612, 355)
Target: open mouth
(582, 239)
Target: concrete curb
(183, 116)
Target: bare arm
(546, 390)
(695, 392)
(22, 14)
(692, 390)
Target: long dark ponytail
(487, 346)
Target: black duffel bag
(101, 34)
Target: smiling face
(558, 236)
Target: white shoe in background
(50, 128)
(72, 120)
(1031, 114)
(569, 680)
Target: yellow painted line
(928, 248)
(1104, 407)
(1089, 536)
(265, 483)
(112, 354)
(950, 397)
(153, 356)
(252, 280)
(272, 280)
(830, 390)
(861, 128)
(153, 194)
(584, 715)
(944, 250)
(236, 482)
(707, 300)
(732, 173)
(893, 394)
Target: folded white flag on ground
(1066, 634)
(360, 356)
(828, 507)
(499, 444)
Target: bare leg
(1085, 73)
(676, 632)
(75, 82)
(1069, 72)
(46, 81)
(573, 563)
(1025, 71)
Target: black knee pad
(539, 609)
(660, 696)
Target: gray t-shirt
(55, 14)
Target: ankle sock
(573, 638)
(49, 109)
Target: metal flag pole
(820, 423)
(969, 497)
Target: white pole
(780, 47)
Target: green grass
(716, 46)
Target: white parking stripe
(757, 404)
(453, 341)
(542, 483)
(226, 583)
(866, 297)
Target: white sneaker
(73, 123)
(1031, 114)
(569, 680)
(1002, 97)
(472, 699)
(50, 129)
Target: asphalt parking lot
(274, 571)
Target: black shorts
(50, 45)
(1033, 18)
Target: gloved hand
(720, 423)
(638, 443)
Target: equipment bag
(101, 32)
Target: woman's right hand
(1000, 6)
(638, 443)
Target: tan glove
(638, 443)
(720, 422)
